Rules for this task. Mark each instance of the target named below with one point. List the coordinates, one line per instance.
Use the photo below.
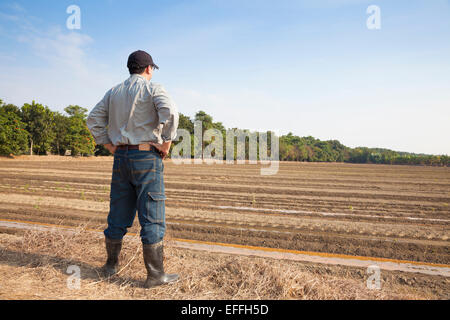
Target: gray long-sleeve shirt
(134, 112)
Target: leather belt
(144, 146)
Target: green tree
(206, 119)
(10, 108)
(13, 136)
(40, 124)
(61, 129)
(186, 123)
(79, 139)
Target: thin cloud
(58, 68)
(60, 49)
(15, 6)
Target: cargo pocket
(156, 207)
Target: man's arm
(97, 122)
(168, 118)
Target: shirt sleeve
(167, 112)
(97, 121)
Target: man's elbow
(91, 124)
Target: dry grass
(33, 265)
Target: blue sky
(307, 67)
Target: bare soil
(399, 212)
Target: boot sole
(107, 274)
(161, 284)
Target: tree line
(294, 148)
(35, 129)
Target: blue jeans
(137, 184)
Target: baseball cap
(140, 59)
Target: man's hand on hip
(112, 148)
(163, 148)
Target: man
(137, 121)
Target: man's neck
(145, 76)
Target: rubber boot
(113, 248)
(153, 260)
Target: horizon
(312, 68)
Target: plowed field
(398, 212)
